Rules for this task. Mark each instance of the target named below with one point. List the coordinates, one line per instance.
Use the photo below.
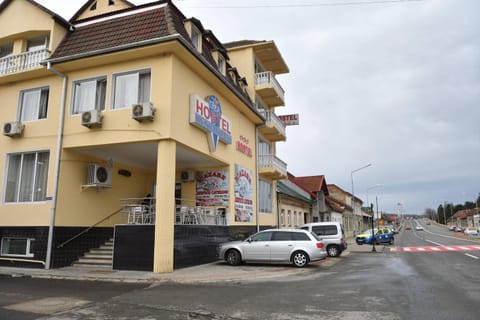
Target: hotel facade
(134, 129)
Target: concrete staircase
(98, 258)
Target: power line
(325, 4)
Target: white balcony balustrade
(272, 121)
(267, 79)
(22, 62)
(272, 167)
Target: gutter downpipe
(53, 209)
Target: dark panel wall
(70, 252)
(38, 247)
(133, 247)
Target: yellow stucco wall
(102, 6)
(31, 23)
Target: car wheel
(300, 259)
(390, 242)
(232, 257)
(377, 241)
(359, 243)
(333, 251)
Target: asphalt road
(398, 284)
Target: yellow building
(136, 124)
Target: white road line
(471, 256)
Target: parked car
(295, 246)
(419, 228)
(331, 233)
(451, 228)
(458, 229)
(382, 235)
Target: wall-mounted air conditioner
(92, 118)
(187, 176)
(13, 129)
(99, 176)
(143, 111)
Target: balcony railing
(22, 62)
(272, 119)
(271, 163)
(268, 78)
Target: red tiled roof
(312, 183)
(462, 214)
(334, 205)
(117, 32)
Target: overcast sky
(391, 83)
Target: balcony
(271, 167)
(22, 62)
(274, 128)
(268, 88)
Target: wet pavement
(212, 272)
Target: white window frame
(195, 35)
(96, 100)
(19, 183)
(120, 100)
(38, 97)
(28, 247)
(265, 196)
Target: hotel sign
(207, 116)
(290, 119)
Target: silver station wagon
(295, 246)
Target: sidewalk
(210, 272)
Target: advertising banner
(212, 188)
(243, 194)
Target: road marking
(435, 249)
(471, 256)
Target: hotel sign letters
(290, 119)
(207, 116)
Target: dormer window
(221, 63)
(195, 35)
(111, 2)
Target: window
(282, 236)
(262, 236)
(35, 44)
(325, 230)
(282, 218)
(264, 148)
(300, 236)
(131, 88)
(221, 63)
(195, 35)
(89, 95)
(17, 247)
(6, 50)
(27, 177)
(265, 190)
(33, 104)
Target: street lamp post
(353, 196)
(372, 187)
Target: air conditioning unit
(99, 176)
(92, 118)
(13, 129)
(143, 111)
(187, 176)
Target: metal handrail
(88, 229)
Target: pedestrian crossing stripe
(435, 248)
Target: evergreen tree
(440, 214)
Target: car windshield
(368, 231)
